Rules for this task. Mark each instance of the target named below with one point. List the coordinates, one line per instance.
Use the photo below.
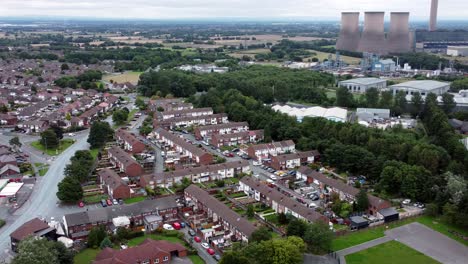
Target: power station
(373, 39)
(433, 18)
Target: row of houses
(187, 151)
(188, 121)
(196, 174)
(293, 160)
(345, 191)
(124, 162)
(162, 105)
(129, 141)
(278, 201)
(261, 152)
(236, 139)
(192, 112)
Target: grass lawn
(86, 256)
(94, 198)
(134, 200)
(131, 115)
(196, 259)
(94, 152)
(43, 168)
(138, 240)
(64, 144)
(131, 77)
(441, 227)
(389, 253)
(43, 171)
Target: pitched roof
(127, 136)
(298, 155)
(286, 201)
(29, 228)
(223, 126)
(111, 178)
(196, 151)
(122, 156)
(221, 209)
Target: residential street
(43, 201)
(201, 251)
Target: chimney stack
(398, 39)
(433, 18)
(373, 35)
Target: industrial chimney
(373, 35)
(398, 39)
(349, 34)
(433, 19)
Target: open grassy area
(131, 115)
(138, 240)
(392, 252)
(95, 198)
(131, 77)
(196, 259)
(64, 144)
(134, 200)
(94, 152)
(86, 256)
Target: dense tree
(416, 104)
(64, 67)
(250, 211)
(15, 142)
(64, 255)
(460, 84)
(120, 117)
(234, 257)
(344, 97)
(260, 234)
(386, 100)
(58, 131)
(69, 190)
(296, 227)
(106, 243)
(372, 97)
(49, 139)
(448, 104)
(318, 237)
(96, 236)
(399, 104)
(99, 134)
(276, 251)
(362, 201)
(38, 251)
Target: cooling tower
(349, 34)
(398, 39)
(433, 18)
(373, 35)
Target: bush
(2, 222)
(432, 209)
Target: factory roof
(425, 85)
(364, 81)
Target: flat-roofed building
(361, 85)
(424, 87)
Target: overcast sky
(174, 9)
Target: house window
(166, 258)
(145, 262)
(156, 260)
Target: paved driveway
(431, 243)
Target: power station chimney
(398, 39)
(349, 33)
(433, 19)
(373, 35)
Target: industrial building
(336, 114)
(361, 85)
(422, 87)
(373, 39)
(457, 51)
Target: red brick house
(124, 162)
(8, 120)
(149, 252)
(293, 160)
(113, 185)
(129, 141)
(34, 227)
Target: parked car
(168, 227)
(210, 251)
(121, 201)
(109, 202)
(81, 204)
(197, 239)
(103, 203)
(191, 232)
(217, 257)
(205, 245)
(176, 226)
(406, 202)
(273, 177)
(115, 202)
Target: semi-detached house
(236, 139)
(345, 191)
(278, 201)
(124, 162)
(232, 222)
(196, 174)
(194, 153)
(293, 160)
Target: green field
(131, 77)
(392, 252)
(138, 240)
(64, 144)
(86, 256)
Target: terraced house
(264, 151)
(124, 162)
(278, 201)
(205, 132)
(178, 122)
(236, 139)
(187, 151)
(196, 174)
(129, 141)
(293, 160)
(216, 213)
(193, 112)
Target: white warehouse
(361, 85)
(422, 87)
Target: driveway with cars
(201, 251)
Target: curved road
(43, 201)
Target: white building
(457, 51)
(333, 114)
(422, 87)
(361, 85)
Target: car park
(205, 245)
